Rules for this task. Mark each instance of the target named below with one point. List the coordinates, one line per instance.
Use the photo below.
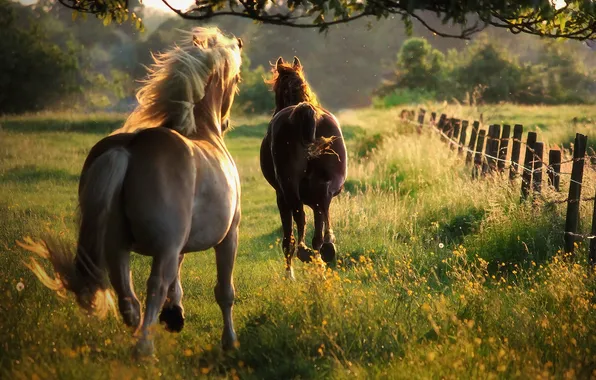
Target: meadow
(438, 276)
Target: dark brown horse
(303, 156)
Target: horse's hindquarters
(158, 191)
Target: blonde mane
(176, 80)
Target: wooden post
(433, 118)
(441, 125)
(472, 143)
(478, 155)
(503, 147)
(449, 131)
(528, 160)
(537, 172)
(421, 113)
(575, 192)
(462, 136)
(494, 147)
(592, 255)
(488, 163)
(554, 168)
(518, 130)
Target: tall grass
(438, 276)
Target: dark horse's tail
(83, 273)
(304, 116)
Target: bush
(419, 67)
(551, 75)
(254, 96)
(401, 96)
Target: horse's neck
(282, 103)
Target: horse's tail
(83, 273)
(305, 116)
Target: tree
(419, 67)
(34, 72)
(573, 19)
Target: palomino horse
(163, 185)
(303, 156)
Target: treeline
(51, 61)
(491, 70)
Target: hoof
(328, 252)
(144, 349)
(229, 342)
(305, 254)
(173, 317)
(290, 274)
(131, 314)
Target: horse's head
(191, 87)
(222, 85)
(289, 84)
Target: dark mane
(290, 86)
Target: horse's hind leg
(163, 272)
(172, 313)
(317, 239)
(119, 270)
(285, 212)
(117, 251)
(225, 256)
(328, 251)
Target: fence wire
(535, 159)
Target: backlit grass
(439, 276)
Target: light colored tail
(83, 273)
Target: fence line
(488, 152)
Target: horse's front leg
(225, 256)
(163, 272)
(172, 313)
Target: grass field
(438, 276)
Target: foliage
(34, 73)
(255, 96)
(491, 72)
(540, 17)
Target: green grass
(439, 276)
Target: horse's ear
(240, 43)
(297, 64)
(280, 61)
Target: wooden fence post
(518, 130)
(449, 131)
(537, 172)
(489, 162)
(433, 118)
(494, 147)
(462, 136)
(472, 143)
(575, 192)
(441, 125)
(554, 168)
(478, 155)
(503, 147)
(592, 255)
(421, 113)
(528, 167)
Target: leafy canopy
(573, 19)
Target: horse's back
(286, 161)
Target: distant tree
(419, 66)
(34, 72)
(486, 66)
(255, 95)
(574, 19)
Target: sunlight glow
(159, 4)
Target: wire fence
(487, 150)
